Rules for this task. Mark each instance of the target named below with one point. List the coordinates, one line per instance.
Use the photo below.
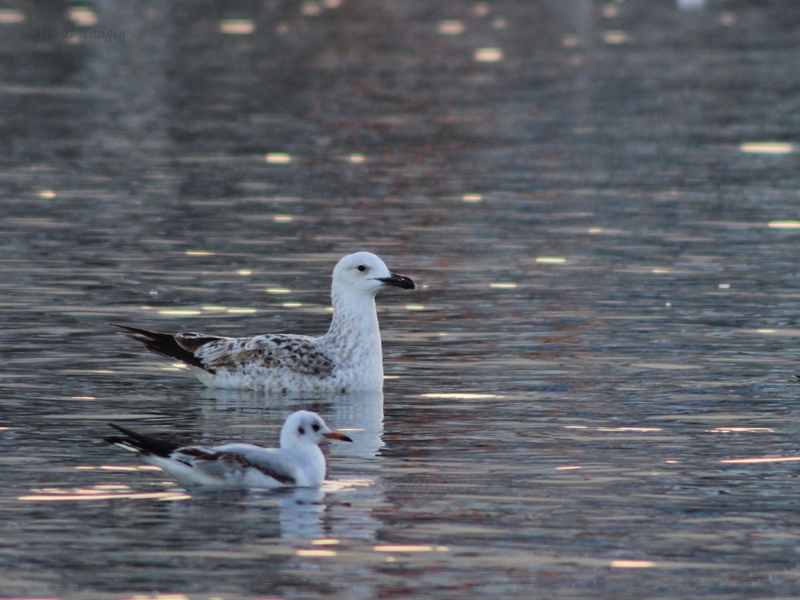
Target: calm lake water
(599, 202)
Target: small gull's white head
(365, 273)
(307, 428)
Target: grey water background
(607, 307)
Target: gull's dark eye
(301, 431)
(362, 268)
(315, 427)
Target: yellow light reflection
(278, 290)
(278, 158)
(767, 148)
(629, 429)
(199, 253)
(659, 271)
(741, 430)
(292, 305)
(236, 26)
(325, 541)
(402, 548)
(569, 468)
(90, 495)
(357, 159)
(472, 197)
(82, 16)
(316, 553)
(488, 55)
(784, 224)
(311, 9)
(244, 272)
(242, 311)
(47, 194)
(615, 37)
(503, 286)
(758, 460)
(724, 286)
(179, 312)
(461, 396)
(415, 307)
(83, 398)
(451, 27)
(550, 260)
(283, 218)
(11, 15)
(632, 564)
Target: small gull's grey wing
(297, 353)
(221, 460)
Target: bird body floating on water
(346, 359)
(298, 462)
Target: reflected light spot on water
(481, 9)
(278, 290)
(83, 398)
(199, 253)
(741, 430)
(415, 307)
(451, 27)
(570, 41)
(11, 15)
(242, 311)
(615, 37)
(244, 272)
(236, 26)
(632, 564)
(402, 548)
(767, 148)
(724, 286)
(356, 159)
(629, 429)
(278, 158)
(488, 55)
(311, 9)
(325, 542)
(550, 260)
(472, 197)
(610, 11)
(569, 468)
(292, 305)
(503, 286)
(82, 16)
(758, 459)
(47, 194)
(499, 23)
(314, 552)
(784, 224)
(461, 396)
(283, 218)
(659, 271)
(176, 312)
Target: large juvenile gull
(346, 359)
(298, 462)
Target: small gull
(298, 462)
(346, 359)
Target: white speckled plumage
(348, 358)
(298, 461)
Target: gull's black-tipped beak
(400, 281)
(337, 435)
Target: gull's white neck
(354, 334)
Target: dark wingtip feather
(141, 442)
(161, 343)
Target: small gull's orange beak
(335, 435)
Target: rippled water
(606, 315)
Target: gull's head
(304, 427)
(365, 273)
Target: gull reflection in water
(359, 415)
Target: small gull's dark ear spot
(301, 431)
(315, 427)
